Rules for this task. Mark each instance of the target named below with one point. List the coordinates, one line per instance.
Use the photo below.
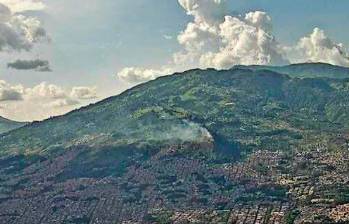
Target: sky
(59, 55)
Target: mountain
(213, 146)
(8, 125)
(305, 70)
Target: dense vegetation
(206, 120)
(243, 107)
(8, 125)
(306, 70)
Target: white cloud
(48, 91)
(318, 47)
(17, 31)
(219, 40)
(9, 92)
(137, 75)
(215, 39)
(83, 92)
(229, 41)
(63, 103)
(205, 11)
(259, 19)
(167, 37)
(244, 41)
(24, 5)
(44, 90)
(42, 100)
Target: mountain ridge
(214, 145)
(7, 125)
(304, 70)
(276, 69)
(143, 86)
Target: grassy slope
(249, 109)
(243, 110)
(8, 125)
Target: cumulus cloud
(219, 40)
(318, 47)
(42, 100)
(216, 39)
(205, 11)
(245, 41)
(84, 92)
(137, 75)
(17, 31)
(60, 95)
(9, 92)
(63, 103)
(51, 91)
(23, 5)
(45, 90)
(37, 65)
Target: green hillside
(8, 125)
(306, 70)
(242, 106)
(224, 142)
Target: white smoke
(186, 132)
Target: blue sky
(92, 40)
